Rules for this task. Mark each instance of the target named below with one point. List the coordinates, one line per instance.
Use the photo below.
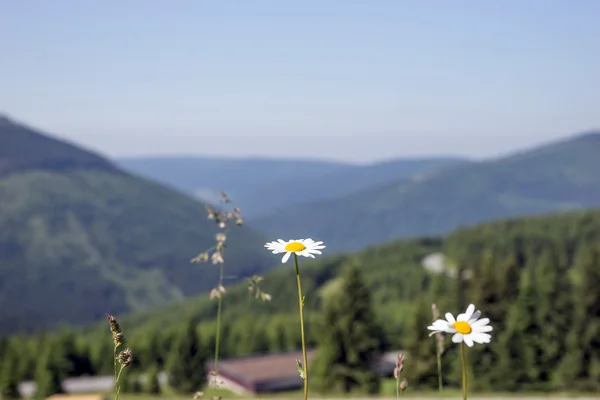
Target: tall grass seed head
(115, 329)
(125, 357)
(217, 258)
(403, 385)
(399, 365)
(201, 258)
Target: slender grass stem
(116, 375)
(439, 369)
(218, 334)
(219, 315)
(301, 304)
(398, 387)
(464, 370)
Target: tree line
(537, 279)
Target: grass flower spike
(304, 248)
(300, 247)
(467, 329)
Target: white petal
(485, 328)
(474, 317)
(480, 322)
(451, 329)
(469, 312)
(450, 318)
(437, 327)
(278, 251)
(440, 323)
(468, 340)
(457, 337)
(286, 257)
(481, 337)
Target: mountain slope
(556, 177)
(261, 185)
(24, 149)
(394, 273)
(79, 238)
(204, 177)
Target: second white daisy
(301, 247)
(467, 327)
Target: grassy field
(387, 392)
(406, 396)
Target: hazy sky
(347, 79)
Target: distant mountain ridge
(260, 185)
(559, 176)
(24, 148)
(79, 237)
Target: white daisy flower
(467, 327)
(301, 247)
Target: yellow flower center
(462, 327)
(295, 246)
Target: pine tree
(186, 362)
(350, 339)
(278, 336)
(580, 368)
(493, 289)
(151, 352)
(553, 311)
(421, 363)
(518, 345)
(130, 383)
(49, 373)
(152, 385)
(9, 379)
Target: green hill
(394, 271)
(276, 182)
(26, 150)
(557, 177)
(79, 237)
(536, 278)
(498, 255)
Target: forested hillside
(80, 238)
(536, 278)
(560, 176)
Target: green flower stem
(301, 304)
(398, 387)
(464, 369)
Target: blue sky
(347, 79)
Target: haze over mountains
(79, 237)
(78, 229)
(556, 177)
(260, 185)
(400, 198)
